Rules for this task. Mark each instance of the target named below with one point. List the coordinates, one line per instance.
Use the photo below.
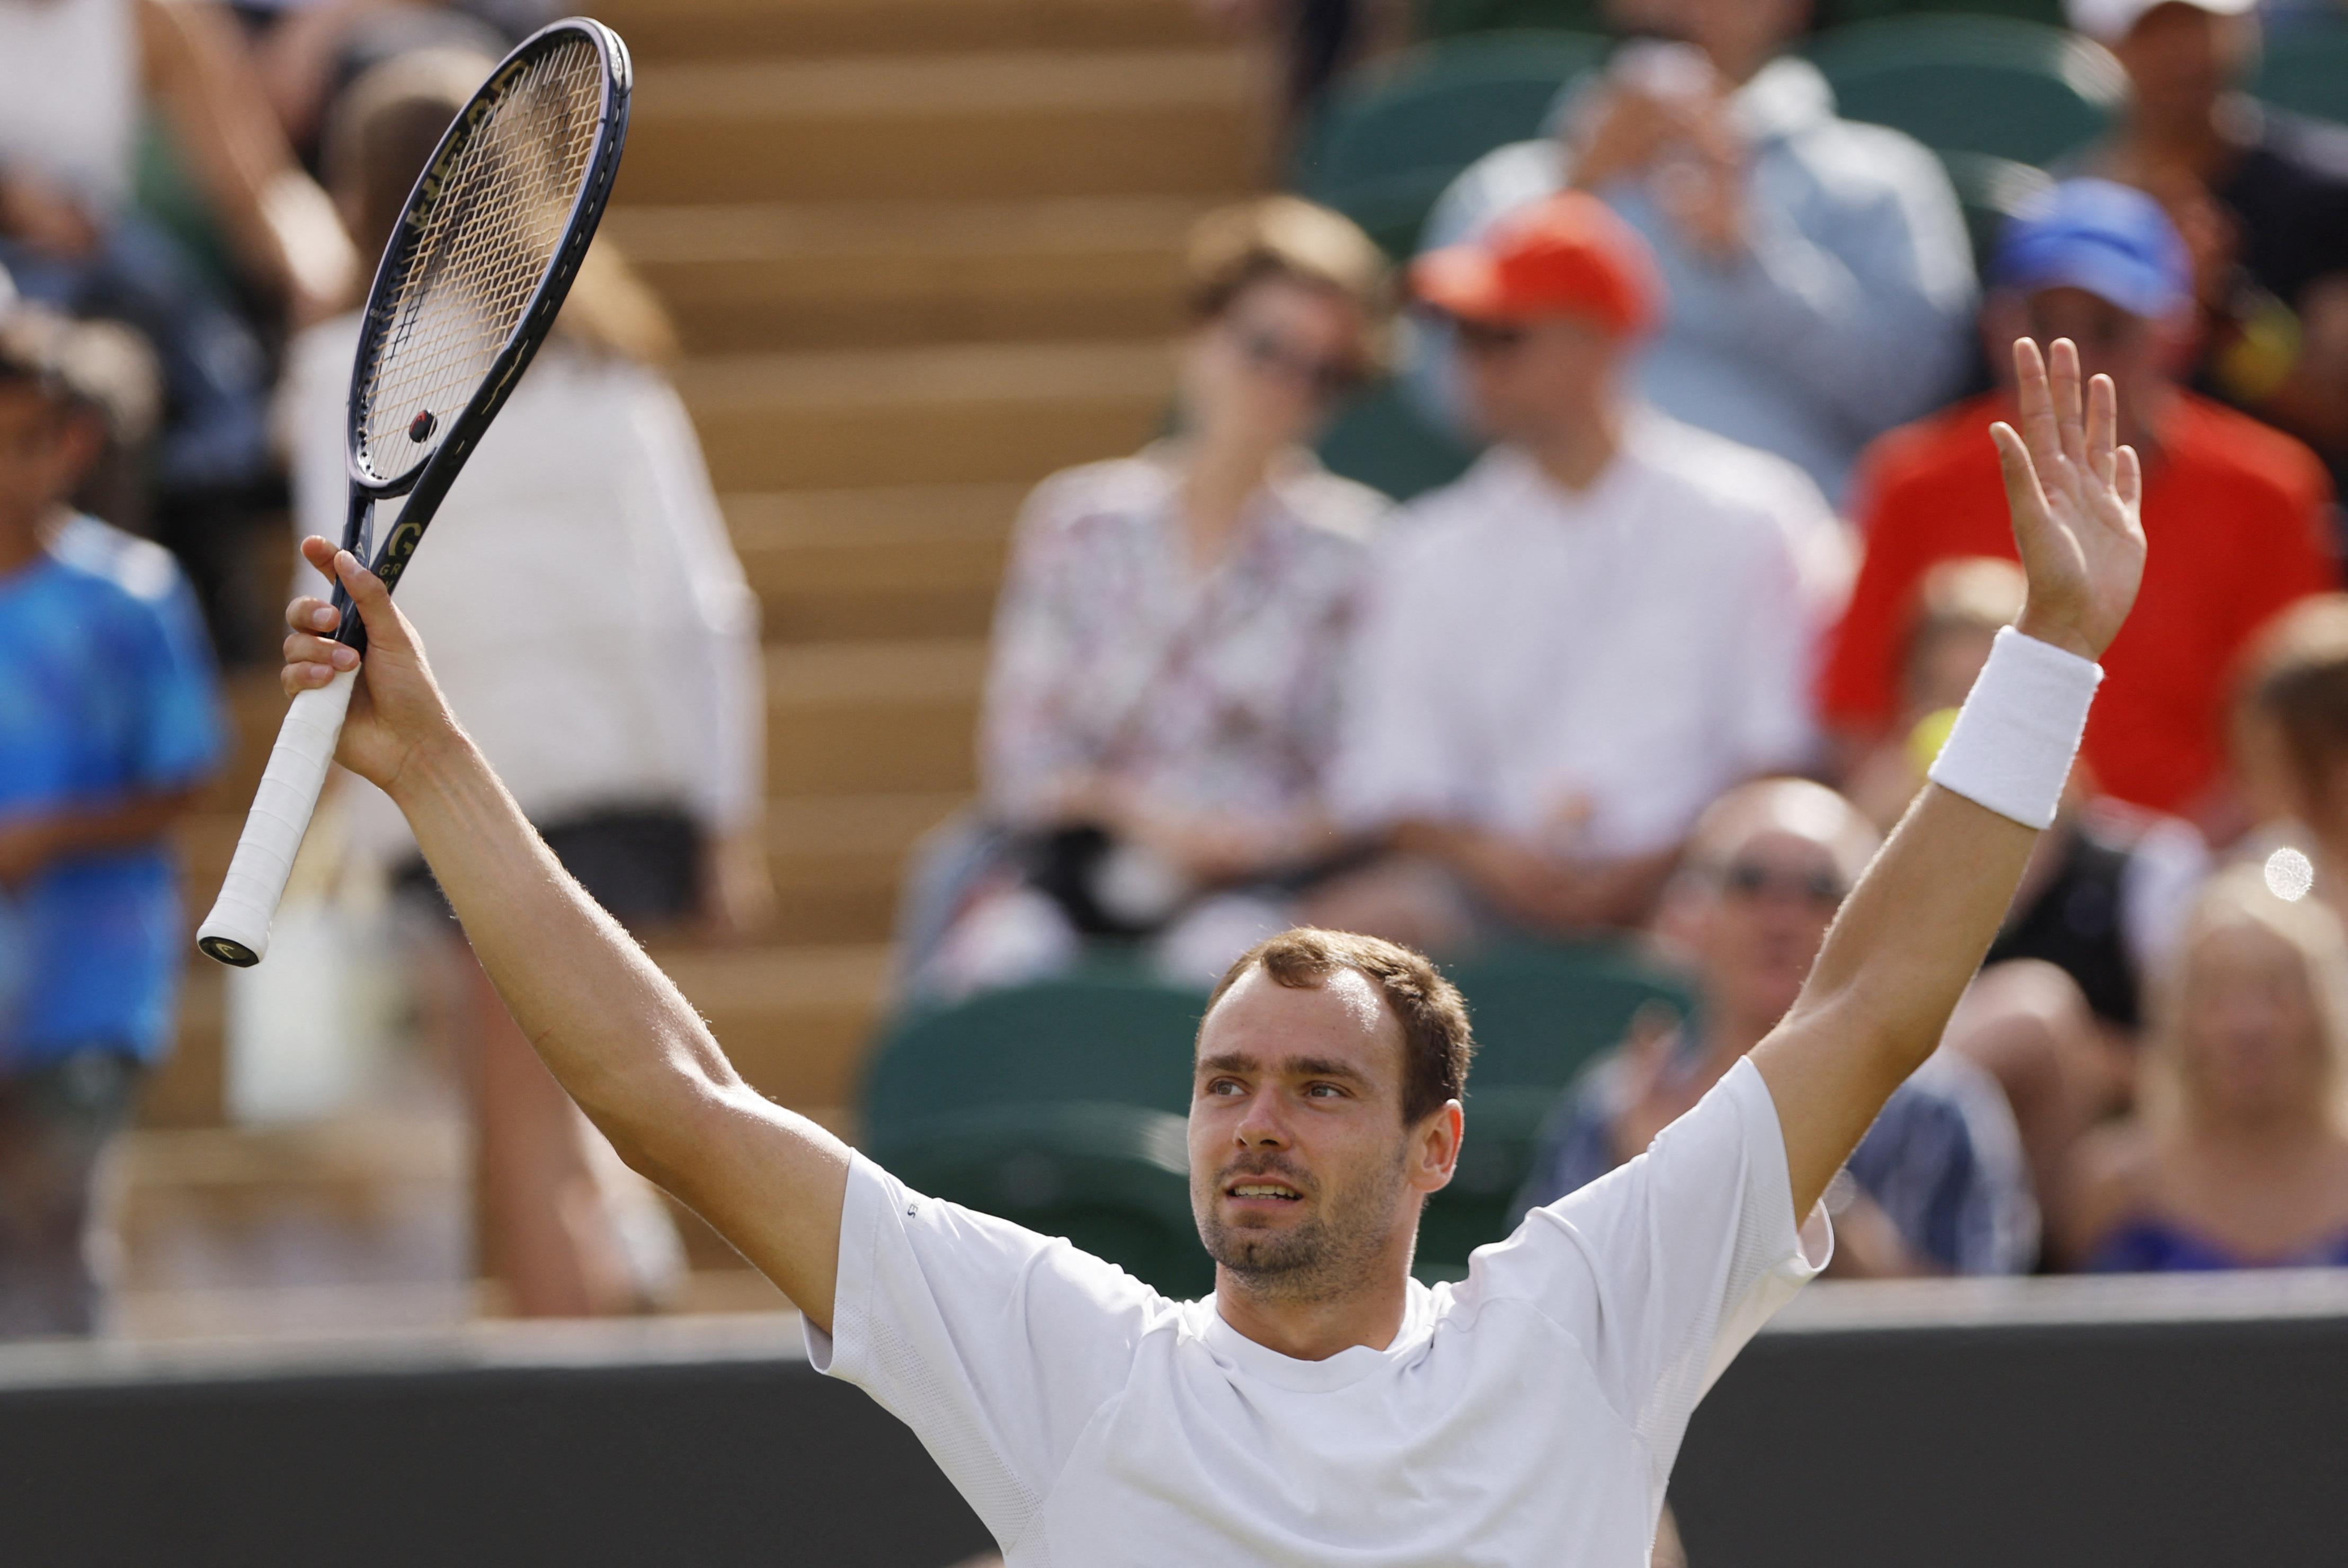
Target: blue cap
(2111, 240)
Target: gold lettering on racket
(437, 175)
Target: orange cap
(1569, 254)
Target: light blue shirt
(1848, 315)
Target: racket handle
(237, 930)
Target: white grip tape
(280, 816)
(2015, 738)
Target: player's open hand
(2076, 495)
(398, 709)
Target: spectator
(72, 75)
(1819, 274)
(2238, 511)
(2238, 1158)
(2291, 745)
(1569, 653)
(2263, 193)
(1164, 690)
(593, 624)
(108, 726)
(1938, 1187)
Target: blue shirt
(106, 691)
(1850, 312)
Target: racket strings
(486, 241)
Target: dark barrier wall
(2007, 1427)
(674, 1465)
(2200, 1445)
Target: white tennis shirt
(1529, 1415)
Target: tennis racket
(478, 265)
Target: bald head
(1791, 807)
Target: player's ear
(1435, 1147)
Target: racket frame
(237, 930)
(427, 483)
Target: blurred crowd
(1665, 665)
(1672, 656)
(192, 199)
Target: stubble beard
(1330, 1254)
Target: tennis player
(1321, 1406)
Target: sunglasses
(1490, 337)
(1266, 353)
(1752, 879)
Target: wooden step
(871, 273)
(794, 1021)
(911, 561)
(943, 127)
(667, 29)
(879, 717)
(978, 412)
(839, 862)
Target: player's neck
(1316, 1327)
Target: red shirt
(2235, 517)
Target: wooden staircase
(922, 252)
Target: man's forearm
(619, 1035)
(1907, 944)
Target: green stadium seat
(2012, 89)
(1386, 140)
(1058, 1106)
(1381, 442)
(1113, 1179)
(1542, 1013)
(2307, 72)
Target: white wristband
(2013, 741)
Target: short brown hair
(1288, 237)
(1436, 1040)
(2296, 678)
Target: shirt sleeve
(1663, 1269)
(996, 1345)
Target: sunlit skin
(1305, 1180)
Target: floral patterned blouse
(1111, 655)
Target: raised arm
(1914, 930)
(615, 1030)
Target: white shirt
(1529, 1415)
(1591, 669)
(577, 594)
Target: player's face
(31, 454)
(1303, 1178)
(2251, 1038)
(1274, 363)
